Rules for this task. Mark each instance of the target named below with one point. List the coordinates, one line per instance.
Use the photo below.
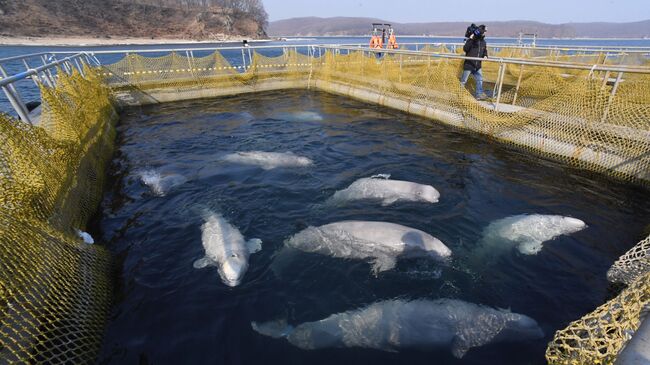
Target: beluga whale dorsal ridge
(268, 160)
(397, 324)
(225, 248)
(528, 232)
(380, 242)
(381, 187)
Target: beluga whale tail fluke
(381, 188)
(225, 248)
(381, 243)
(393, 325)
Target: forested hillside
(183, 19)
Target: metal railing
(44, 73)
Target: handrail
(14, 97)
(34, 71)
(596, 67)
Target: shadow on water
(168, 312)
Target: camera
(477, 31)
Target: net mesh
(598, 337)
(54, 289)
(579, 116)
(632, 264)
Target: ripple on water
(167, 312)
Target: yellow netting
(598, 337)
(633, 264)
(54, 289)
(572, 115)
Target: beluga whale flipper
(226, 248)
(268, 160)
(382, 188)
(398, 324)
(380, 242)
(527, 232)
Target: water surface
(167, 312)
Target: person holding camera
(475, 46)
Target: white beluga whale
(305, 116)
(381, 187)
(398, 324)
(527, 232)
(381, 242)
(226, 248)
(161, 184)
(268, 160)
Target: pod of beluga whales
(385, 325)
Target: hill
(313, 26)
(181, 19)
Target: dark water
(167, 312)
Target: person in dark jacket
(475, 46)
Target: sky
(412, 11)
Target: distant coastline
(113, 41)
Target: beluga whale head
(233, 269)
(519, 327)
(573, 225)
(428, 193)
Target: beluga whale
(380, 242)
(527, 232)
(225, 248)
(393, 325)
(382, 188)
(268, 160)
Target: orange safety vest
(392, 42)
(375, 42)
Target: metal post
(605, 79)
(400, 67)
(611, 97)
(27, 68)
(502, 72)
(250, 56)
(14, 98)
(189, 61)
(68, 65)
(521, 72)
(81, 70)
(48, 74)
(243, 58)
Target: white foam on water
(160, 184)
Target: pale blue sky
(547, 11)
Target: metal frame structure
(49, 61)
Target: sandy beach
(112, 41)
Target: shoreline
(114, 41)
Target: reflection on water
(168, 312)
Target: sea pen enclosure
(561, 149)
